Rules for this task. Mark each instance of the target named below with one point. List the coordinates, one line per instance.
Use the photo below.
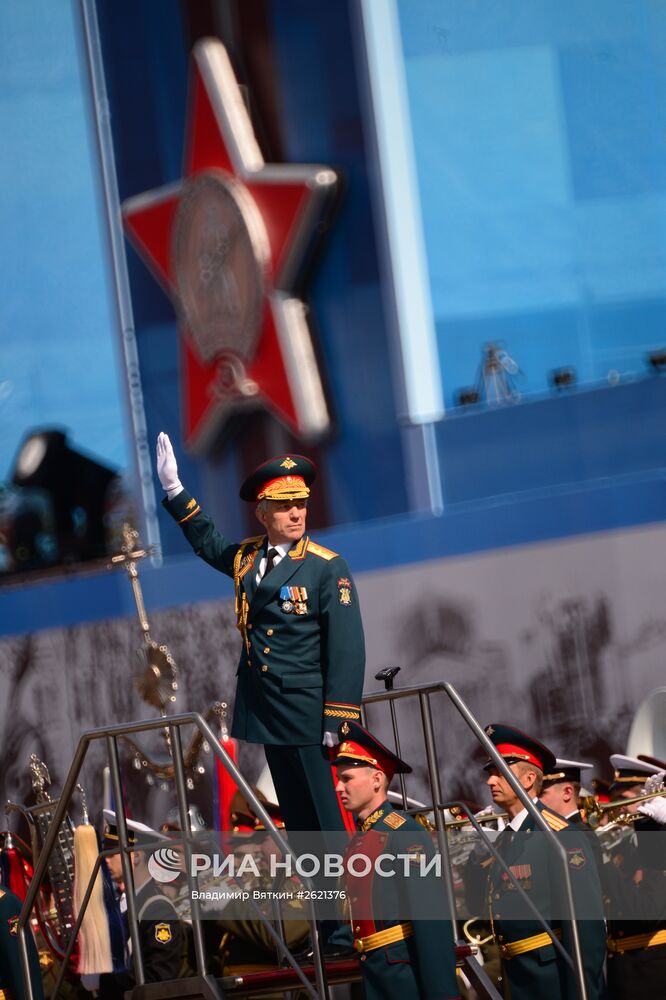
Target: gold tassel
(94, 938)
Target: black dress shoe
(331, 953)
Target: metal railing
(423, 693)
(111, 734)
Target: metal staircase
(316, 977)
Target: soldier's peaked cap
(661, 764)
(566, 770)
(136, 832)
(630, 771)
(359, 748)
(514, 745)
(287, 477)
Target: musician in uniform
(560, 790)
(302, 660)
(247, 945)
(11, 970)
(532, 965)
(161, 934)
(560, 793)
(635, 885)
(406, 958)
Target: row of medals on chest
(294, 600)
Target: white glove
(167, 467)
(330, 739)
(654, 783)
(655, 809)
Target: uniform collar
(281, 549)
(374, 817)
(520, 818)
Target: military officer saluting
(531, 964)
(303, 656)
(400, 957)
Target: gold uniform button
(249, 627)
(357, 930)
(267, 649)
(497, 895)
(269, 631)
(264, 668)
(249, 663)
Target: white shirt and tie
(274, 555)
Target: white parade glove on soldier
(655, 808)
(167, 467)
(330, 739)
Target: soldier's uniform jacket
(540, 972)
(163, 944)
(11, 975)
(303, 657)
(634, 884)
(591, 839)
(422, 964)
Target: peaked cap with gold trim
(514, 745)
(245, 821)
(287, 477)
(566, 770)
(359, 748)
(628, 771)
(136, 832)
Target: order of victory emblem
(230, 243)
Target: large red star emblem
(229, 243)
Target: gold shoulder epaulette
(253, 540)
(554, 821)
(319, 550)
(394, 820)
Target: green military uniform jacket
(163, 944)
(424, 964)
(11, 973)
(540, 972)
(634, 885)
(299, 673)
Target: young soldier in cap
(635, 885)
(530, 962)
(303, 655)
(406, 958)
(163, 943)
(11, 970)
